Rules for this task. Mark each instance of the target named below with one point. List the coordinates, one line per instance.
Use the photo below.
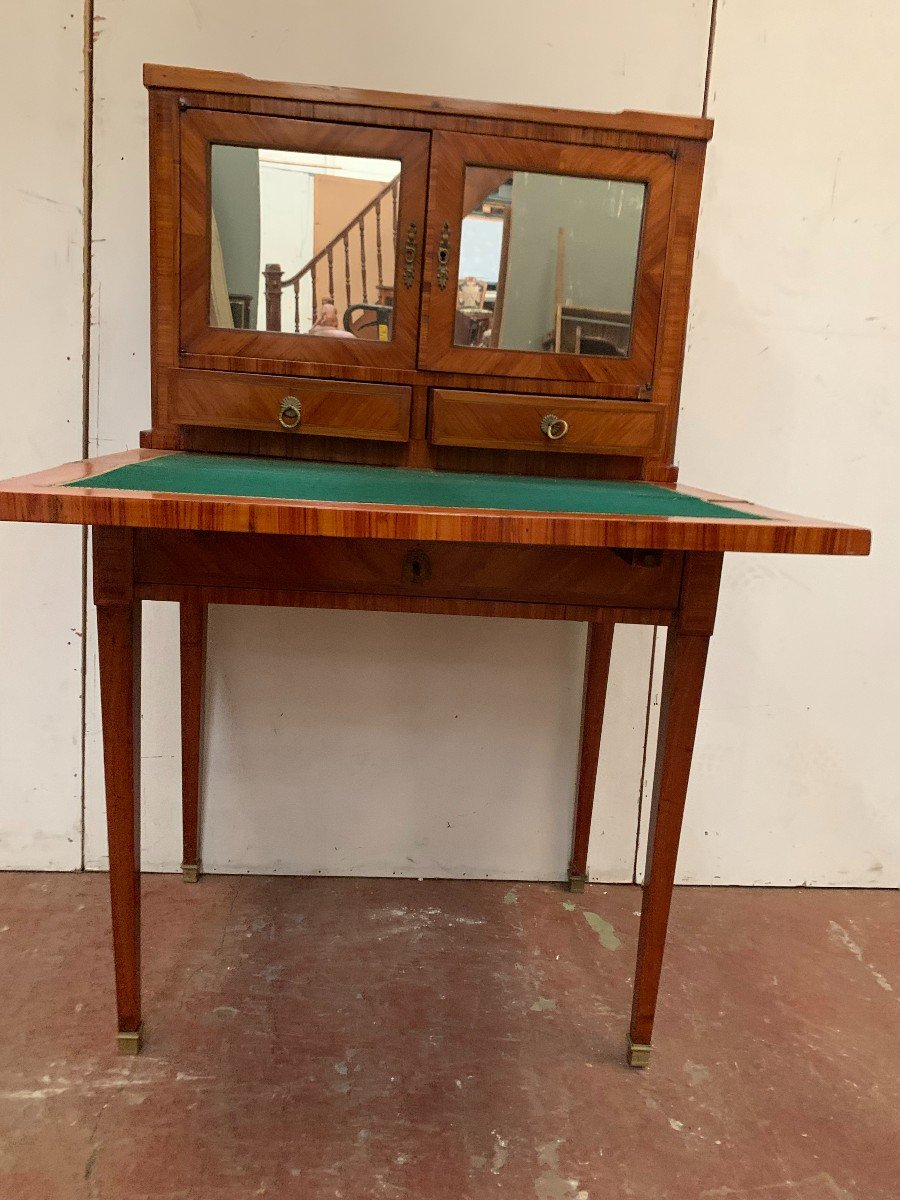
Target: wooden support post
(687, 644)
(119, 648)
(273, 276)
(193, 671)
(596, 679)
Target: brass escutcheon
(443, 256)
(409, 254)
(416, 567)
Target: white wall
(41, 110)
(309, 769)
(317, 764)
(791, 397)
(350, 742)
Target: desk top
(171, 490)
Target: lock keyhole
(416, 567)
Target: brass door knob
(554, 427)
(290, 412)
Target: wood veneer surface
(45, 497)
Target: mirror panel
(547, 263)
(303, 243)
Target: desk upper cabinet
(386, 278)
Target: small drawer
(555, 423)
(320, 407)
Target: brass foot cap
(130, 1042)
(638, 1054)
(190, 872)
(577, 882)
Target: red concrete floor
(448, 1041)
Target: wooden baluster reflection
(378, 253)
(362, 257)
(346, 241)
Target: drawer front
(366, 566)
(554, 423)
(323, 407)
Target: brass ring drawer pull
(554, 427)
(290, 412)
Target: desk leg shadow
(193, 673)
(596, 680)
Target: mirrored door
(544, 260)
(301, 240)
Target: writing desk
(205, 529)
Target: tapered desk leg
(596, 679)
(193, 669)
(685, 663)
(119, 647)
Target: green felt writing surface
(337, 483)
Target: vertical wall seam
(713, 13)
(87, 188)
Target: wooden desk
(206, 529)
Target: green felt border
(339, 483)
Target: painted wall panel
(791, 398)
(359, 766)
(797, 757)
(41, 111)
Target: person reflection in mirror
(326, 322)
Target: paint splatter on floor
(551, 1184)
(609, 939)
(542, 1004)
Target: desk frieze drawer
(286, 404)
(548, 575)
(556, 423)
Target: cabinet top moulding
(191, 79)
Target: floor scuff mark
(821, 1187)
(840, 934)
(696, 1072)
(501, 1153)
